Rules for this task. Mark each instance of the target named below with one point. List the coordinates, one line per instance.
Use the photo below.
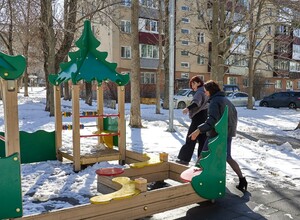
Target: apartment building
(278, 69)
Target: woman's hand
(194, 135)
(185, 111)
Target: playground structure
(129, 195)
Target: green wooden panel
(11, 67)
(111, 124)
(34, 147)
(37, 146)
(10, 187)
(210, 184)
(2, 146)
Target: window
(185, 75)
(185, 20)
(185, 42)
(185, 31)
(296, 32)
(269, 30)
(269, 48)
(232, 80)
(201, 38)
(184, 53)
(126, 52)
(278, 84)
(185, 8)
(148, 51)
(125, 26)
(126, 3)
(298, 84)
(289, 85)
(246, 82)
(185, 64)
(148, 25)
(148, 78)
(201, 59)
(148, 3)
(269, 11)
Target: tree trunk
(160, 65)
(88, 93)
(135, 112)
(48, 39)
(166, 58)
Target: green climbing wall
(210, 184)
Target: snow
(54, 185)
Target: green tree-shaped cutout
(88, 63)
(11, 67)
(210, 183)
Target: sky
(45, 183)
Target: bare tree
(135, 112)
(160, 63)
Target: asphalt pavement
(271, 202)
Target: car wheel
(181, 105)
(292, 105)
(264, 104)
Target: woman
(217, 104)
(198, 113)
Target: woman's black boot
(242, 184)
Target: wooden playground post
(10, 98)
(100, 107)
(76, 127)
(58, 121)
(121, 123)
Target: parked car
(289, 99)
(183, 98)
(239, 99)
(228, 88)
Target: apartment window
(269, 48)
(269, 30)
(185, 31)
(269, 11)
(294, 67)
(185, 42)
(148, 3)
(148, 25)
(201, 59)
(185, 64)
(281, 64)
(201, 38)
(298, 84)
(283, 30)
(185, 8)
(126, 52)
(126, 3)
(278, 84)
(296, 32)
(184, 53)
(185, 75)
(125, 26)
(232, 80)
(246, 82)
(148, 78)
(289, 85)
(148, 51)
(185, 20)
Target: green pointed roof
(11, 67)
(88, 63)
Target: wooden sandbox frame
(144, 204)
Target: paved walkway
(270, 202)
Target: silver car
(239, 99)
